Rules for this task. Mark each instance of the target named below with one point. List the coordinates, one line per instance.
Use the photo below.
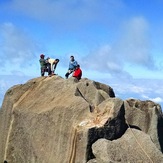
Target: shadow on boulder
(112, 129)
(160, 131)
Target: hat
(42, 55)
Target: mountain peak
(51, 119)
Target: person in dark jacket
(43, 64)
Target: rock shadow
(112, 129)
(160, 131)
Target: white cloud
(68, 12)
(143, 89)
(157, 99)
(132, 48)
(104, 60)
(137, 89)
(135, 43)
(145, 96)
(16, 48)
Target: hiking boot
(66, 75)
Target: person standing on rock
(52, 64)
(78, 72)
(43, 64)
(72, 66)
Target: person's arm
(70, 65)
(75, 63)
(55, 65)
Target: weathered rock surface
(147, 116)
(40, 120)
(53, 120)
(133, 147)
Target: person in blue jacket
(72, 66)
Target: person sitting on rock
(52, 64)
(78, 72)
(72, 66)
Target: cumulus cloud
(103, 59)
(132, 47)
(137, 89)
(60, 9)
(157, 99)
(135, 43)
(16, 47)
(68, 12)
(143, 89)
(146, 89)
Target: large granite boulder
(133, 147)
(147, 116)
(54, 120)
(40, 120)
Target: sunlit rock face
(56, 120)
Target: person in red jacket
(77, 73)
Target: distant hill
(54, 120)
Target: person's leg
(49, 68)
(68, 73)
(42, 71)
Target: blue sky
(116, 42)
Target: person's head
(56, 60)
(78, 66)
(72, 58)
(42, 56)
